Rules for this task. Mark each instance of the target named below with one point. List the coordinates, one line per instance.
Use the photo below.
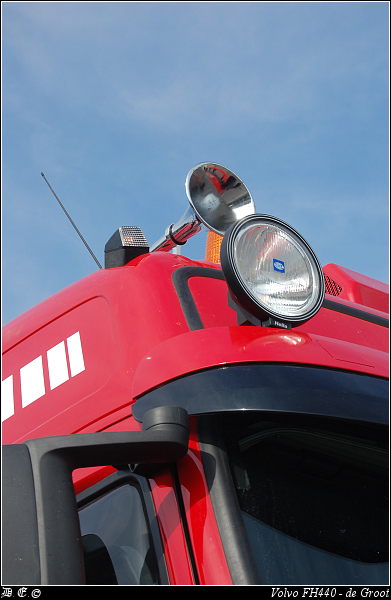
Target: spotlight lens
(275, 269)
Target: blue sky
(116, 101)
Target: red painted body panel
(85, 478)
(207, 348)
(134, 337)
(345, 328)
(130, 326)
(212, 306)
(209, 554)
(102, 351)
(173, 540)
(119, 333)
(358, 288)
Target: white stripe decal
(75, 353)
(31, 375)
(31, 381)
(7, 398)
(57, 364)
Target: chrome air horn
(217, 198)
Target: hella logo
(279, 265)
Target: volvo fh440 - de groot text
(221, 421)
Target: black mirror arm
(164, 439)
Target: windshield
(314, 501)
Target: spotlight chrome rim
(258, 244)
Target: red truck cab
(155, 432)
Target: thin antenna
(83, 240)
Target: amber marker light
(212, 250)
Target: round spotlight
(271, 270)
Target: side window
(117, 542)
